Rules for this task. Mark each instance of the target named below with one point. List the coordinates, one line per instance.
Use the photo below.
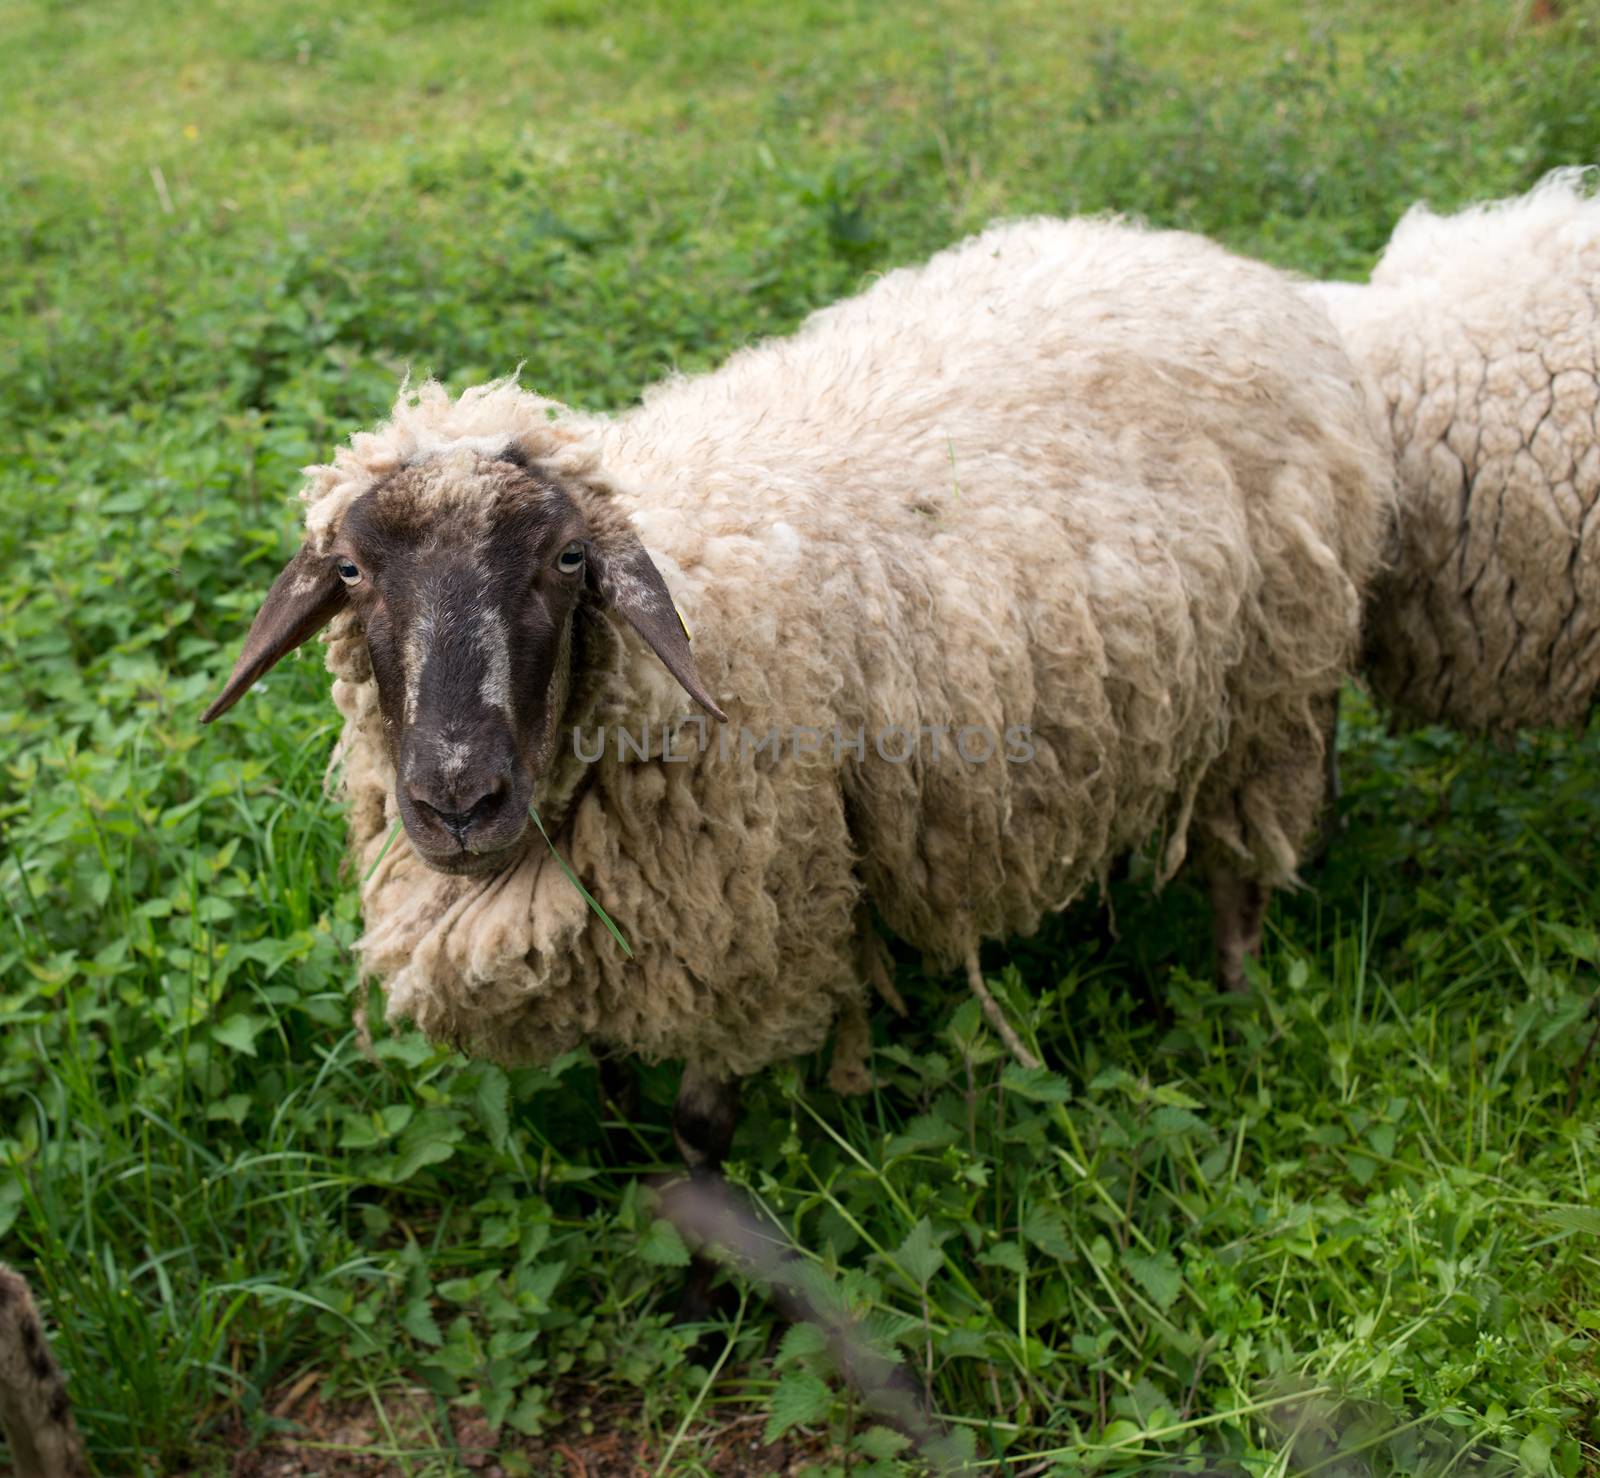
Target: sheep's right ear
(303, 599)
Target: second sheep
(1482, 332)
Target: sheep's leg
(619, 1087)
(1238, 908)
(1330, 823)
(617, 1106)
(703, 1121)
(1265, 813)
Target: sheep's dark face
(465, 580)
(465, 570)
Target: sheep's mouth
(476, 840)
(462, 862)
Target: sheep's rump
(1482, 330)
(1112, 491)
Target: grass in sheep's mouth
(588, 897)
(572, 877)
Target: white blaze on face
(453, 755)
(494, 644)
(418, 646)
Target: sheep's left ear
(307, 594)
(629, 580)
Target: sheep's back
(1111, 487)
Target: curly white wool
(1482, 333)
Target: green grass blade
(572, 877)
(383, 852)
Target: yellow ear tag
(679, 614)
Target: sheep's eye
(347, 572)
(570, 560)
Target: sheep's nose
(459, 820)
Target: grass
(1346, 1224)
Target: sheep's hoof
(847, 1077)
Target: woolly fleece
(1117, 486)
(1482, 330)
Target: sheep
(1014, 562)
(1482, 333)
(35, 1414)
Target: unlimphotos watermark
(679, 740)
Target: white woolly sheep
(1099, 498)
(1482, 333)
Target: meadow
(1344, 1224)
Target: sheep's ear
(627, 577)
(303, 599)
